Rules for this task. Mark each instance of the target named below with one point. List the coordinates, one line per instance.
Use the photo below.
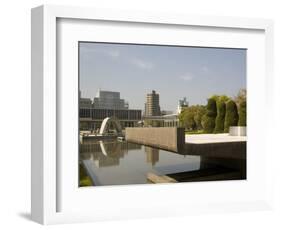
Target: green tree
(190, 117)
(219, 128)
(200, 112)
(224, 98)
(215, 97)
(181, 118)
(189, 120)
(231, 115)
(186, 118)
(221, 100)
(209, 119)
(242, 114)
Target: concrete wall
(173, 139)
(168, 138)
(231, 150)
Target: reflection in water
(106, 153)
(152, 155)
(119, 163)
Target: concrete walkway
(213, 138)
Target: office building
(106, 104)
(109, 100)
(152, 107)
(85, 103)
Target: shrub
(208, 124)
(201, 110)
(219, 128)
(209, 119)
(189, 117)
(242, 114)
(182, 118)
(231, 115)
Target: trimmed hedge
(242, 114)
(209, 119)
(219, 128)
(231, 115)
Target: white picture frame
(53, 203)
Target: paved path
(213, 138)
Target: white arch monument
(106, 124)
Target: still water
(121, 163)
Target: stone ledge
(168, 138)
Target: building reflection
(105, 153)
(152, 155)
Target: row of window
(103, 113)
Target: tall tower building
(152, 107)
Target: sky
(172, 71)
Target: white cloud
(142, 64)
(187, 77)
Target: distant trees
(209, 119)
(218, 115)
(186, 118)
(190, 118)
(200, 111)
(231, 115)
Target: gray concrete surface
(168, 138)
(174, 139)
(213, 138)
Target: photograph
(153, 113)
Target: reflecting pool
(114, 162)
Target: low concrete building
(91, 119)
(106, 104)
